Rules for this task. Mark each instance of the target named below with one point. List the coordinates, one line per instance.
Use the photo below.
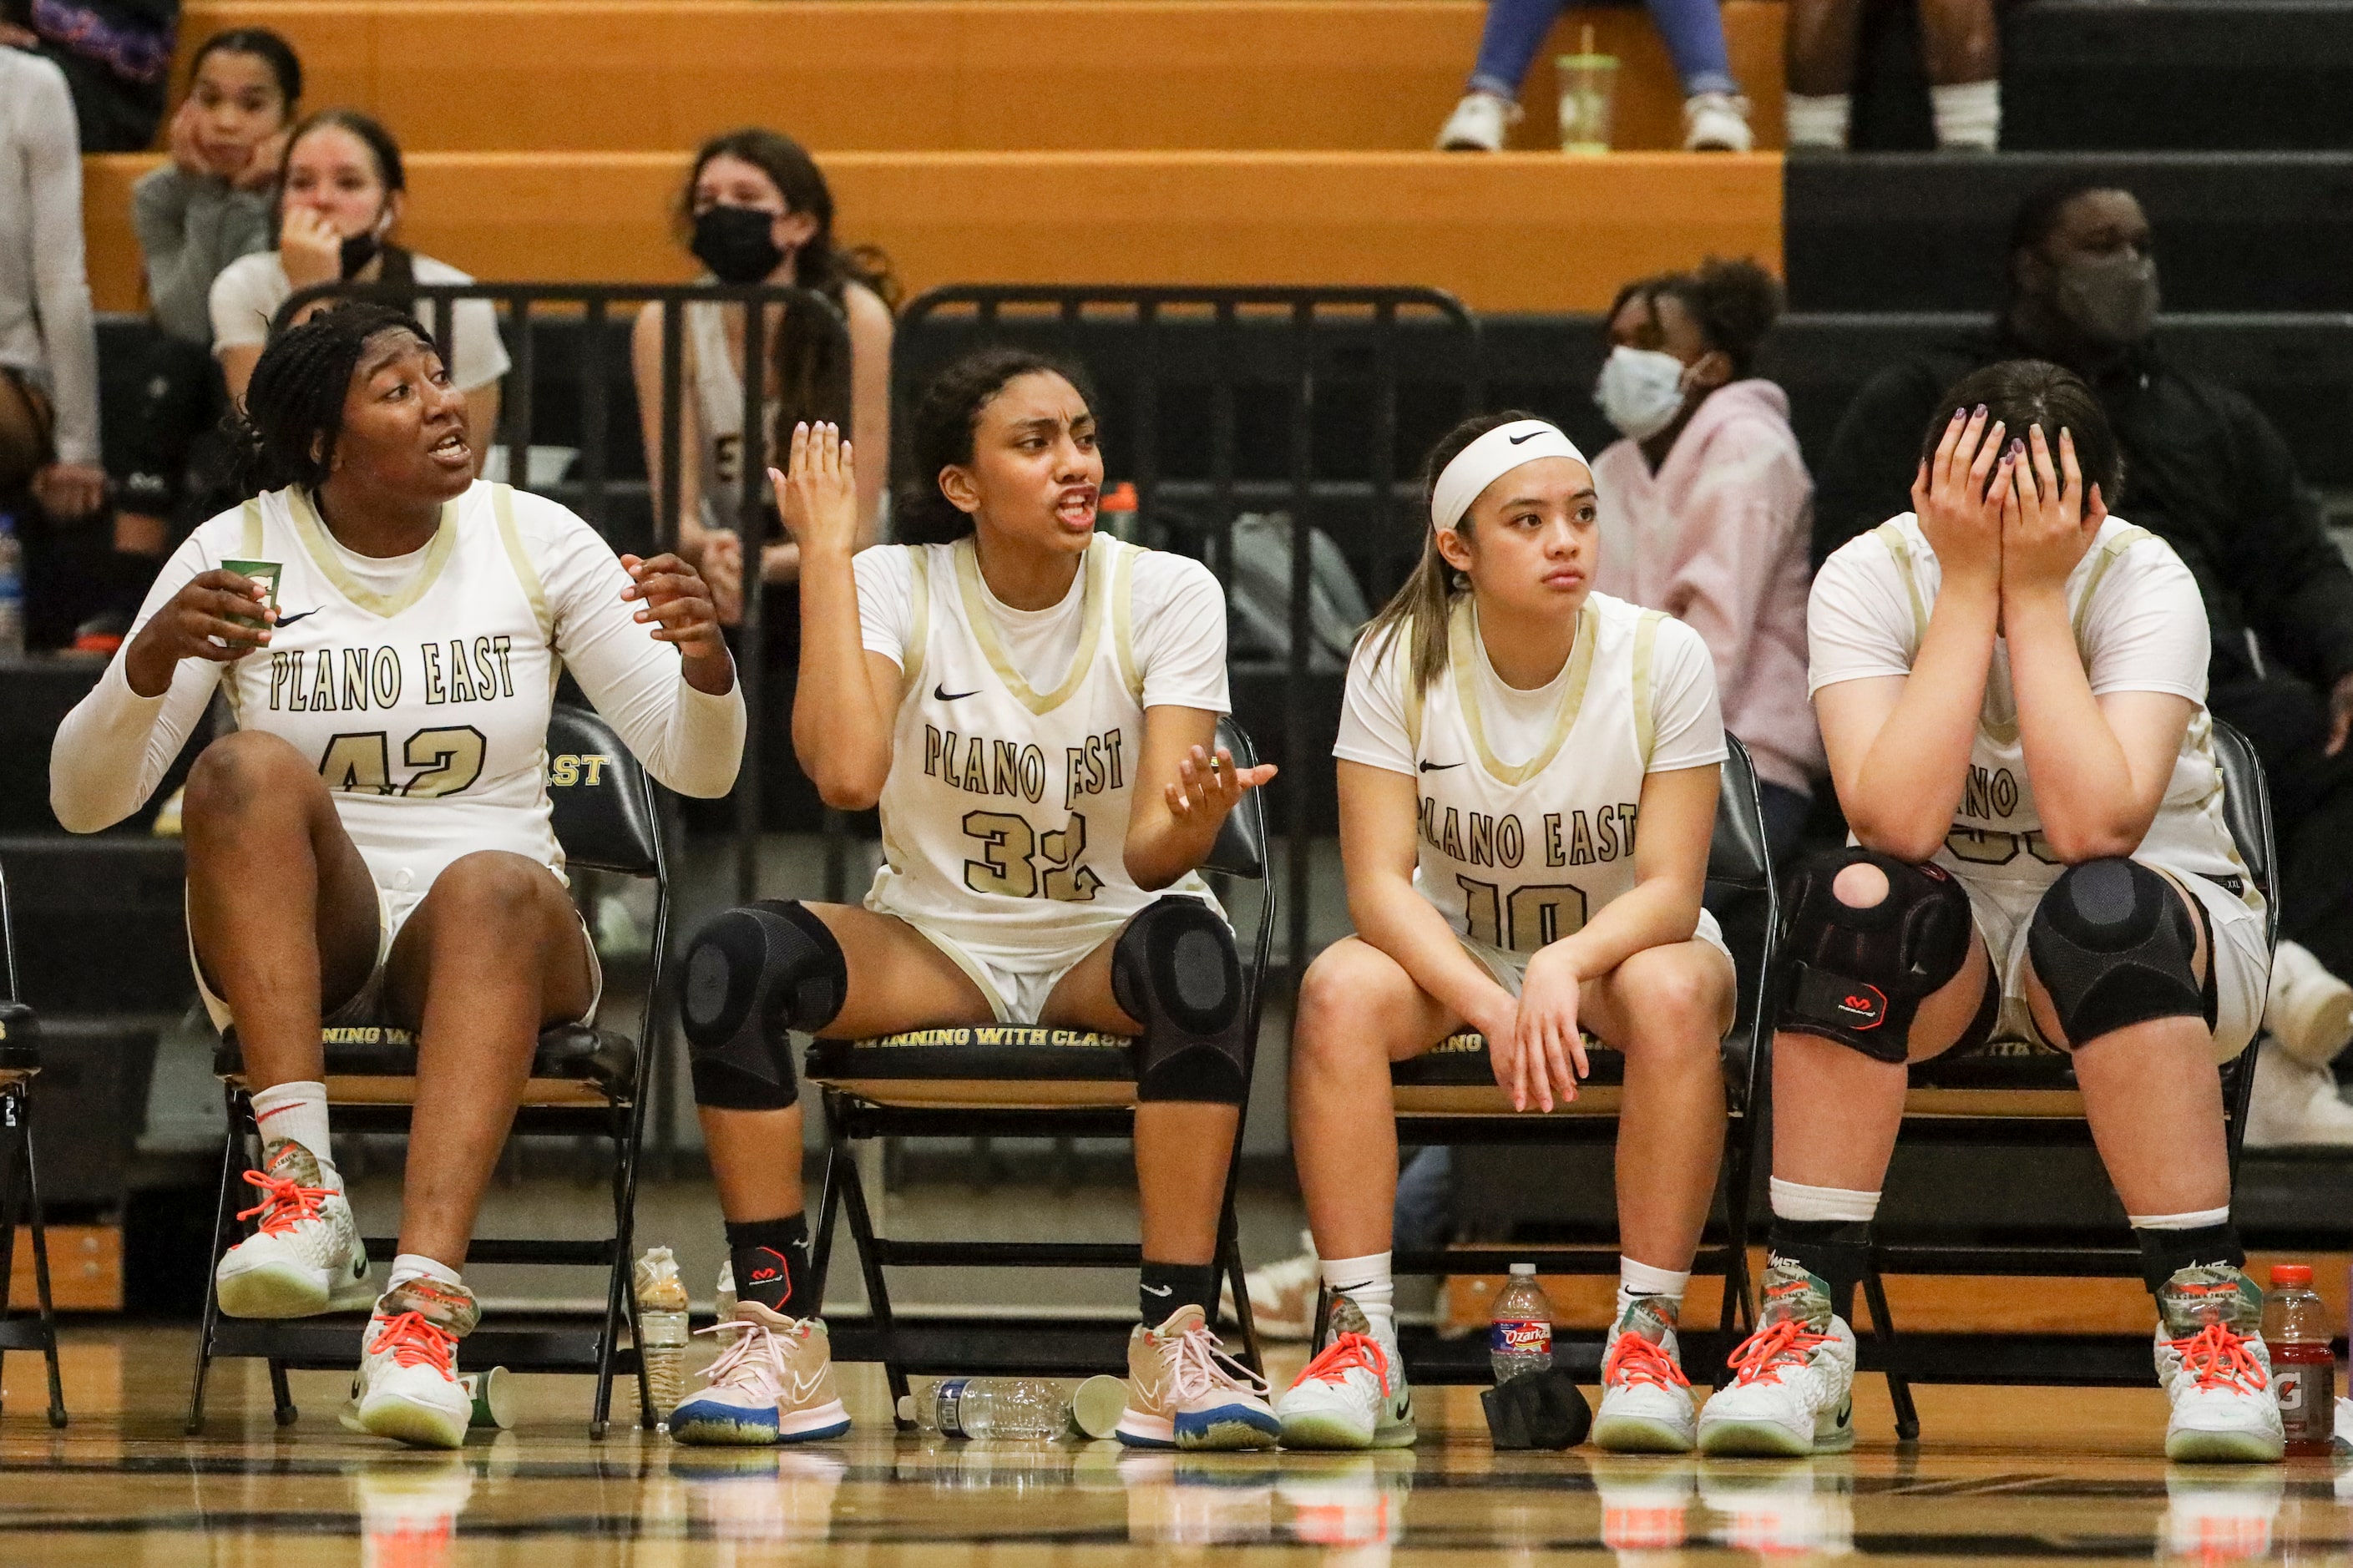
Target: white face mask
(1641, 390)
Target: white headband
(1489, 459)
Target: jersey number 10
(1010, 855)
(1533, 917)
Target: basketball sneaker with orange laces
(407, 1387)
(1646, 1400)
(2215, 1368)
(1185, 1392)
(1354, 1394)
(1792, 1389)
(306, 1258)
(773, 1383)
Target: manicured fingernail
(1959, 415)
(2017, 448)
(1979, 412)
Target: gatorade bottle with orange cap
(2303, 1366)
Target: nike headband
(1489, 459)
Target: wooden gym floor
(2003, 1475)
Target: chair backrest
(604, 803)
(1739, 856)
(2247, 809)
(1241, 848)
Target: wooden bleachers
(1519, 232)
(619, 76)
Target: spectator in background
(1705, 508)
(116, 56)
(1962, 52)
(340, 197)
(205, 208)
(49, 344)
(1716, 115)
(2206, 473)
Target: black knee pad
(1175, 970)
(2113, 944)
(1858, 976)
(1537, 1410)
(754, 974)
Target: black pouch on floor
(1537, 1410)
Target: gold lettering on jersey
(1992, 846)
(1450, 838)
(1580, 840)
(499, 647)
(488, 662)
(297, 696)
(976, 766)
(1553, 855)
(1994, 795)
(1511, 842)
(356, 677)
(1626, 812)
(322, 688)
(1091, 769)
(461, 683)
(988, 767)
(436, 694)
(387, 678)
(1483, 839)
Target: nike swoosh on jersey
(941, 693)
(1438, 767)
(299, 614)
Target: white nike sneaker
(1716, 122)
(1479, 124)
(1793, 1380)
(773, 1383)
(306, 1259)
(2215, 1366)
(1353, 1394)
(1185, 1392)
(1646, 1400)
(1281, 1295)
(2296, 1105)
(2309, 1011)
(406, 1386)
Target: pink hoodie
(1717, 538)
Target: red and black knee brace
(1859, 975)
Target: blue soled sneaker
(1185, 1392)
(2216, 1369)
(773, 1383)
(1792, 1389)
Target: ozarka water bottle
(1519, 1339)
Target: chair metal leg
(281, 1396)
(40, 1266)
(1229, 1264)
(1883, 1329)
(13, 1117)
(224, 1216)
(842, 1167)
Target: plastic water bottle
(1519, 1339)
(661, 1326)
(2303, 1366)
(991, 1408)
(12, 587)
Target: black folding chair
(2016, 1094)
(21, 1063)
(584, 1082)
(1448, 1096)
(999, 1081)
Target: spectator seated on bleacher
(2206, 472)
(340, 194)
(1716, 115)
(1960, 46)
(115, 55)
(205, 208)
(1703, 507)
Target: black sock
(1835, 1251)
(1163, 1288)
(771, 1260)
(2164, 1253)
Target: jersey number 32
(1020, 862)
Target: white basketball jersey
(1997, 832)
(1004, 815)
(425, 711)
(1520, 856)
(719, 413)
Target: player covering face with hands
(370, 845)
(1033, 707)
(1529, 774)
(2011, 684)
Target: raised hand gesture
(818, 494)
(1957, 497)
(2048, 518)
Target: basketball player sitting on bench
(2011, 683)
(371, 844)
(1034, 707)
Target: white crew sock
(417, 1265)
(2198, 1219)
(1365, 1281)
(1794, 1200)
(1968, 115)
(1818, 121)
(297, 1113)
(1642, 1280)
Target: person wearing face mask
(1705, 503)
(340, 194)
(2210, 476)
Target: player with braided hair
(370, 845)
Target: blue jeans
(1694, 30)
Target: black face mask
(358, 251)
(738, 243)
(2112, 300)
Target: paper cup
(263, 572)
